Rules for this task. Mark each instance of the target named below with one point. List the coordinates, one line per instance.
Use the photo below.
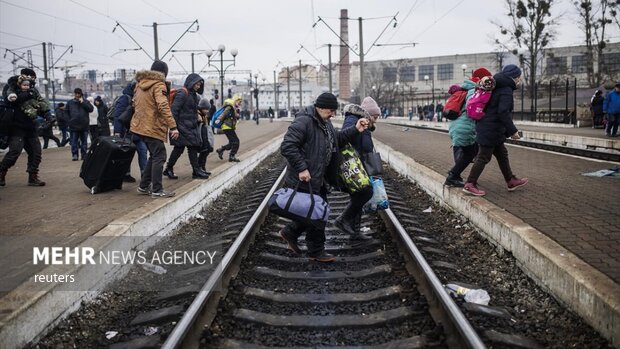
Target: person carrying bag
(311, 147)
(350, 220)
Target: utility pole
(362, 81)
(47, 96)
(300, 90)
(329, 55)
(251, 96)
(288, 91)
(155, 39)
(275, 92)
(192, 62)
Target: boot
(34, 181)
(220, 153)
(199, 174)
(233, 159)
(3, 178)
(453, 181)
(204, 169)
(347, 227)
(169, 172)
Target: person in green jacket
(462, 132)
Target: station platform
(64, 213)
(577, 212)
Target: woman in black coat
(492, 130)
(185, 111)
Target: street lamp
(426, 77)
(464, 67)
(221, 48)
(45, 83)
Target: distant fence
(551, 102)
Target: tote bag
(352, 170)
(373, 164)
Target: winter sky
(267, 33)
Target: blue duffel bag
(306, 208)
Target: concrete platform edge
(585, 290)
(38, 310)
(590, 143)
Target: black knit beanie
(161, 67)
(326, 101)
(28, 72)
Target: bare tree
(614, 11)
(593, 22)
(531, 28)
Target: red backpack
(454, 104)
(173, 93)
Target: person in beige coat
(152, 121)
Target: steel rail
(190, 324)
(460, 332)
(586, 153)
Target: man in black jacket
(311, 148)
(77, 111)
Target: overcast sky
(266, 32)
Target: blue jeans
(141, 150)
(79, 141)
(64, 130)
(612, 124)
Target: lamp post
(464, 67)
(397, 102)
(426, 78)
(222, 70)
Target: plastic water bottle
(477, 296)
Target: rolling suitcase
(106, 163)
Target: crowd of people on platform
(159, 114)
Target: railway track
(379, 293)
(586, 153)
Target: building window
(389, 74)
(426, 70)
(407, 73)
(557, 65)
(445, 71)
(579, 64)
(610, 62)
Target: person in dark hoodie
(77, 111)
(102, 117)
(185, 111)
(492, 130)
(120, 105)
(350, 219)
(153, 121)
(311, 149)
